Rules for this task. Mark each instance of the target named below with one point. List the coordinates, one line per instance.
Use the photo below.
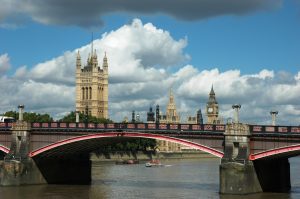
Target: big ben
(212, 108)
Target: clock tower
(212, 108)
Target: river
(185, 178)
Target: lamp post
(77, 116)
(236, 107)
(21, 108)
(274, 114)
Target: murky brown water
(197, 178)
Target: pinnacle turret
(78, 60)
(105, 63)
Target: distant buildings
(198, 119)
(172, 117)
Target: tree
(30, 117)
(132, 146)
(71, 117)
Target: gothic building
(150, 116)
(212, 109)
(195, 119)
(171, 113)
(92, 86)
(171, 117)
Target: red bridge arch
(128, 135)
(288, 151)
(4, 149)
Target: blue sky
(259, 40)
(254, 39)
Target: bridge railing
(274, 129)
(130, 126)
(5, 125)
(154, 126)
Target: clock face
(210, 110)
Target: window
(90, 93)
(82, 93)
(86, 93)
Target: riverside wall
(147, 156)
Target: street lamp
(236, 107)
(274, 114)
(21, 108)
(77, 116)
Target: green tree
(30, 117)
(71, 117)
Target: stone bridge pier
(17, 167)
(239, 175)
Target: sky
(248, 50)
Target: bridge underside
(68, 161)
(273, 167)
(273, 174)
(80, 148)
(70, 164)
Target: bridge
(254, 158)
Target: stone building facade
(171, 117)
(92, 86)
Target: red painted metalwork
(273, 152)
(128, 134)
(4, 149)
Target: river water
(185, 178)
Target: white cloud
(140, 77)
(21, 72)
(263, 74)
(297, 77)
(4, 63)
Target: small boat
(127, 161)
(153, 163)
(132, 161)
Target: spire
(212, 96)
(92, 44)
(171, 97)
(212, 92)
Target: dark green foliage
(128, 147)
(30, 117)
(82, 118)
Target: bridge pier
(237, 172)
(17, 167)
